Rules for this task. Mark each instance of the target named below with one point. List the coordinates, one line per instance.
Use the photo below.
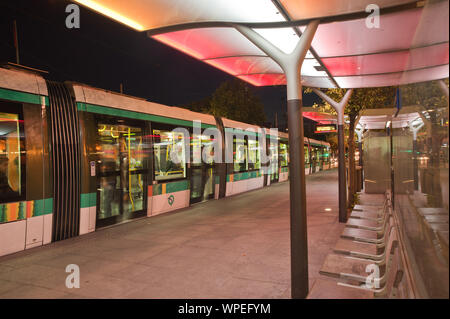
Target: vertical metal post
(359, 131)
(16, 42)
(360, 162)
(340, 107)
(415, 129)
(415, 165)
(391, 148)
(342, 176)
(299, 244)
(360, 149)
(291, 65)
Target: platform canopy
(319, 117)
(376, 119)
(410, 45)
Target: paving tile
(236, 247)
(32, 292)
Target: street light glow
(111, 13)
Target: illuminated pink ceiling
(411, 44)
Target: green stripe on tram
(241, 132)
(171, 187)
(88, 200)
(105, 110)
(23, 97)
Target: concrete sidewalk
(236, 247)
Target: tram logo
(171, 200)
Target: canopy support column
(291, 65)
(340, 107)
(415, 129)
(444, 88)
(359, 132)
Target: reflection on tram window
(169, 154)
(284, 154)
(115, 139)
(202, 149)
(134, 201)
(306, 150)
(273, 149)
(121, 156)
(10, 157)
(254, 154)
(326, 156)
(240, 155)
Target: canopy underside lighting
(410, 45)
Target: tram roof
(411, 45)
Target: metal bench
(367, 236)
(390, 282)
(329, 289)
(354, 269)
(361, 249)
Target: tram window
(254, 154)
(169, 154)
(11, 158)
(202, 149)
(284, 154)
(240, 155)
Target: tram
(74, 158)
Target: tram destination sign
(325, 128)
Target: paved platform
(236, 247)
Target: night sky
(104, 53)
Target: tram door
(202, 169)
(122, 172)
(274, 165)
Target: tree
(202, 106)
(364, 98)
(235, 100)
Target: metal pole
(415, 129)
(361, 185)
(415, 165)
(299, 239)
(340, 107)
(342, 178)
(360, 162)
(16, 42)
(391, 146)
(291, 65)
(359, 132)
